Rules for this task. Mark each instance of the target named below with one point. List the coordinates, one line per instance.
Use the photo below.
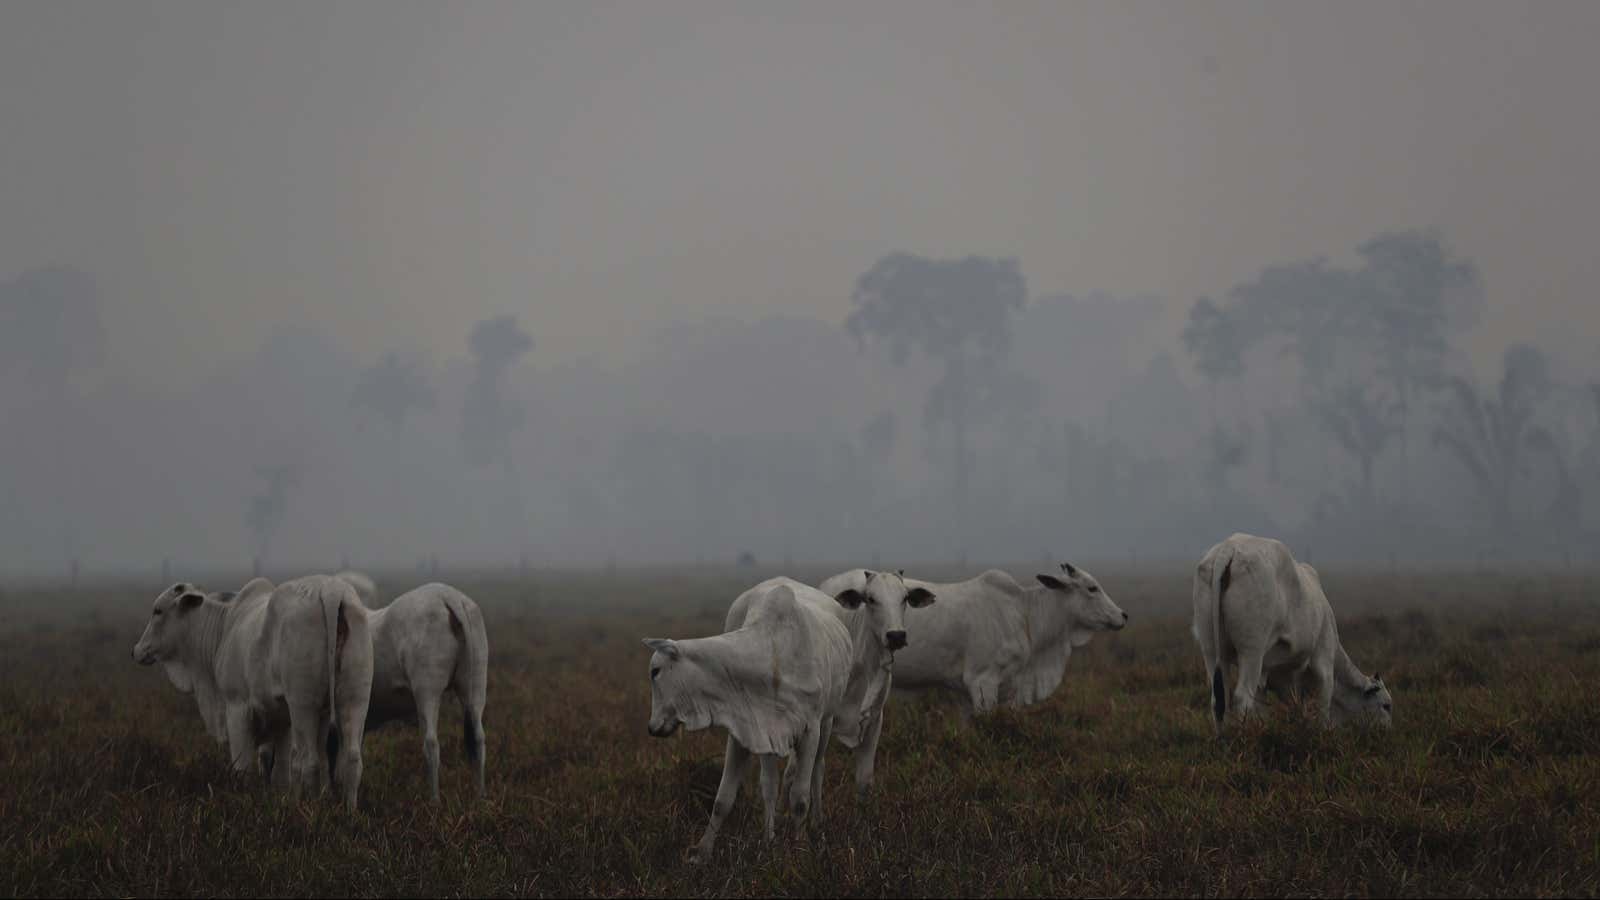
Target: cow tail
(471, 666)
(1220, 579)
(335, 628)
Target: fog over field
(906, 281)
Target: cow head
(884, 597)
(1369, 703)
(163, 635)
(665, 673)
(1089, 604)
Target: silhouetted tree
(394, 388)
(267, 510)
(956, 311)
(1417, 293)
(1217, 344)
(488, 420)
(50, 326)
(1490, 435)
(1360, 422)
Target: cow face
(665, 673)
(163, 636)
(1370, 704)
(884, 597)
(1091, 606)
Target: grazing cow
(873, 608)
(990, 640)
(776, 682)
(1255, 606)
(427, 641)
(276, 667)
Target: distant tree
(1417, 293)
(266, 512)
(955, 311)
(1360, 422)
(1217, 343)
(50, 326)
(394, 388)
(1490, 435)
(877, 438)
(489, 419)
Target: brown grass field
(1488, 784)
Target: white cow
(775, 682)
(278, 667)
(427, 641)
(1255, 606)
(989, 640)
(874, 611)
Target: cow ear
(850, 598)
(190, 601)
(660, 645)
(919, 597)
(1067, 568)
(1052, 582)
(868, 573)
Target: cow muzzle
(143, 657)
(662, 730)
(895, 640)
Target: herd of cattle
(290, 676)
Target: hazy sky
(393, 172)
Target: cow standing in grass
(875, 609)
(1257, 607)
(277, 667)
(775, 682)
(991, 641)
(427, 641)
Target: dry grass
(1489, 783)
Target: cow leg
(352, 725)
(807, 753)
(281, 755)
(1319, 684)
(826, 727)
(734, 766)
(241, 737)
(428, 722)
(771, 782)
(308, 741)
(983, 691)
(866, 754)
(1248, 687)
(472, 728)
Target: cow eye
(158, 612)
(1094, 588)
(654, 672)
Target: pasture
(1488, 784)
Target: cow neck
(1049, 619)
(202, 639)
(735, 661)
(1345, 671)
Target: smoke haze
(303, 282)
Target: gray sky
(394, 172)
